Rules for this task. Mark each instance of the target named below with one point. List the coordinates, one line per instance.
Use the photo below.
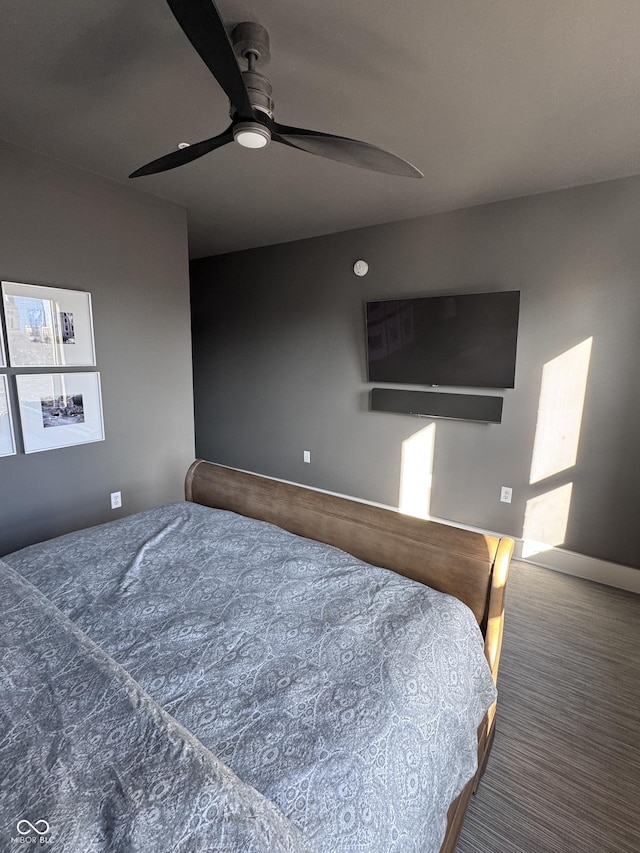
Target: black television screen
(463, 340)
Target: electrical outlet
(306, 456)
(116, 500)
(505, 494)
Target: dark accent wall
(64, 227)
(279, 354)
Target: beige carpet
(564, 772)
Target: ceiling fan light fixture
(251, 135)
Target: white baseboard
(589, 568)
(570, 563)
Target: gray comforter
(346, 695)
(89, 762)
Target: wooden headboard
(471, 566)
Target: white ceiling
(491, 99)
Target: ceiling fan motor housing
(251, 42)
(259, 89)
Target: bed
(241, 671)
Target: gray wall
(279, 355)
(64, 227)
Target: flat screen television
(462, 340)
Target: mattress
(345, 696)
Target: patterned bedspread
(346, 695)
(88, 762)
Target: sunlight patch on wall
(562, 393)
(416, 472)
(545, 520)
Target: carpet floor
(564, 772)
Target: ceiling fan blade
(203, 26)
(344, 150)
(184, 155)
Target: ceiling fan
(251, 107)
